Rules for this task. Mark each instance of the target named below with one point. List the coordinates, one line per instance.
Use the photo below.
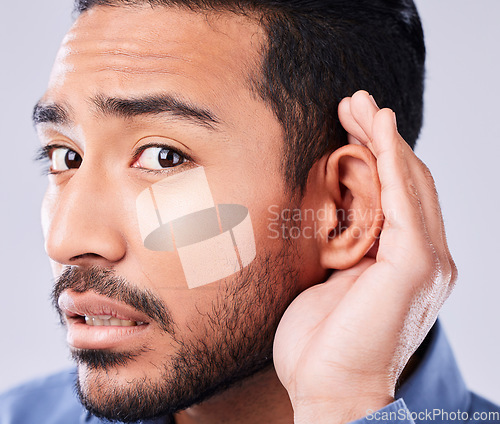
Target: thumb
(353, 272)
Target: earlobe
(352, 187)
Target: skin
(323, 370)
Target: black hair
(320, 51)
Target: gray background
(460, 144)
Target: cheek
(47, 211)
(209, 241)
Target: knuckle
(453, 274)
(446, 275)
(445, 272)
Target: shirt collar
(437, 382)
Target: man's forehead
(130, 34)
(130, 52)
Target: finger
(421, 187)
(363, 110)
(358, 114)
(361, 113)
(400, 202)
(355, 134)
(411, 208)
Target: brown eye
(63, 159)
(168, 158)
(158, 158)
(72, 159)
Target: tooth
(115, 321)
(108, 320)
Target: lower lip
(83, 336)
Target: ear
(352, 189)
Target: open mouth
(97, 322)
(107, 321)
(103, 321)
(98, 311)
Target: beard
(236, 342)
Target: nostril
(85, 256)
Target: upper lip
(76, 305)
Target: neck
(257, 399)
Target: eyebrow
(50, 113)
(129, 108)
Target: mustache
(103, 281)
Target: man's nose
(83, 220)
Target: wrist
(337, 410)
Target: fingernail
(395, 120)
(373, 101)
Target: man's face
(141, 96)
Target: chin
(124, 393)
